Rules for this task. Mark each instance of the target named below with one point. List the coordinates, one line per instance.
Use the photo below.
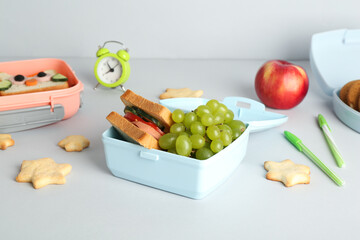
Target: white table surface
(94, 204)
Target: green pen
(330, 141)
(302, 148)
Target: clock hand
(109, 65)
(110, 68)
(107, 72)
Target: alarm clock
(112, 70)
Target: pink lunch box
(31, 110)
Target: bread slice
(129, 98)
(42, 86)
(131, 133)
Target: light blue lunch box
(184, 175)
(335, 60)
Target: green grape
(183, 145)
(168, 140)
(197, 128)
(216, 145)
(189, 119)
(237, 127)
(185, 134)
(226, 138)
(213, 105)
(218, 118)
(197, 141)
(222, 109)
(225, 127)
(202, 109)
(172, 150)
(178, 115)
(213, 132)
(207, 119)
(207, 143)
(203, 153)
(177, 128)
(189, 133)
(229, 116)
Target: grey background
(185, 29)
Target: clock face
(109, 70)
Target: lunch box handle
(149, 156)
(238, 102)
(27, 118)
(254, 113)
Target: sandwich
(144, 121)
(41, 81)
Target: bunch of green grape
(203, 132)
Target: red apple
(281, 84)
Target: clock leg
(123, 88)
(96, 86)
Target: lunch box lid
(334, 58)
(247, 110)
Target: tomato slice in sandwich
(133, 117)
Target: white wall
(251, 29)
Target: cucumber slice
(130, 109)
(59, 78)
(5, 85)
(141, 113)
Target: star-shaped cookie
(181, 93)
(6, 141)
(74, 143)
(287, 172)
(43, 171)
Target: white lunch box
(335, 60)
(184, 175)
